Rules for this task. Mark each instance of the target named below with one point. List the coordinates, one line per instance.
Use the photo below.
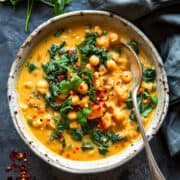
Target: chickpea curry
(75, 92)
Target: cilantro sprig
(57, 5)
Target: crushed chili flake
(71, 51)
(19, 165)
(8, 168)
(60, 77)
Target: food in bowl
(75, 92)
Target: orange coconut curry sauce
(75, 92)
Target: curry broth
(32, 103)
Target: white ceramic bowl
(98, 17)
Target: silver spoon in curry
(136, 68)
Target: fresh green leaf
(82, 115)
(65, 86)
(75, 81)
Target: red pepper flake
(95, 78)
(68, 155)
(20, 156)
(25, 160)
(13, 155)
(71, 51)
(60, 77)
(23, 168)
(118, 82)
(140, 90)
(17, 159)
(81, 87)
(77, 148)
(72, 93)
(77, 108)
(8, 168)
(29, 153)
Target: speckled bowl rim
(54, 159)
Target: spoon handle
(156, 173)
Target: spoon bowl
(136, 69)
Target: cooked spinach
(115, 137)
(59, 33)
(54, 49)
(31, 67)
(149, 75)
(76, 134)
(134, 45)
(58, 130)
(87, 145)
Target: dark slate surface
(11, 37)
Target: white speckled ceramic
(98, 17)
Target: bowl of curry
(69, 91)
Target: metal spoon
(136, 68)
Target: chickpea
(106, 121)
(24, 107)
(74, 125)
(98, 30)
(113, 37)
(111, 65)
(103, 42)
(115, 56)
(119, 115)
(83, 88)
(124, 63)
(31, 102)
(94, 60)
(84, 101)
(37, 123)
(99, 84)
(75, 100)
(121, 93)
(126, 76)
(89, 66)
(110, 83)
(42, 86)
(102, 70)
(72, 115)
(28, 84)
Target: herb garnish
(57, 5)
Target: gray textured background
(11, 37)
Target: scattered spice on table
(19, 167)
